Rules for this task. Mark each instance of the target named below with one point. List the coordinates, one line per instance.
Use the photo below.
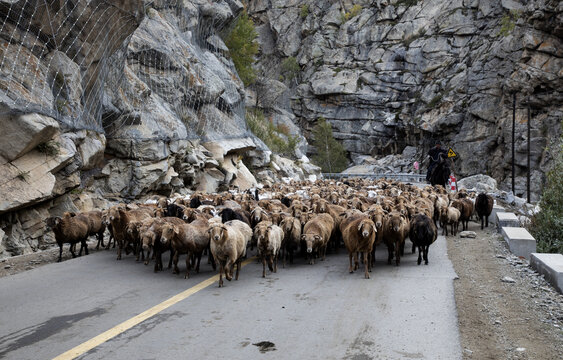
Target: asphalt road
(304, 311)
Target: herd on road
(281, 221)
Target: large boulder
(22, 133)
(479, 183)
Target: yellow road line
(128, 324)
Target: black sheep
(286, 201)
(484, 207)
(422, 233)
(173, 210)
(195, 202)
(228, 214)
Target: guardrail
(404, 177)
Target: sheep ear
(360, 226)
(317, 237)
(374, 228)
(303, 237)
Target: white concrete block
(551, 267)
(520, 241)
(493, 217)
(506, 219)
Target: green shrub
(51, 148)
(331, 156)
(547, 225)
(508, 22)
(277, 138)
(290, 68)
(243, 47)
(355, 11)
(304, 11)
(435, 101)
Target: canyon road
(95, 307)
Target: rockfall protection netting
(71, 60)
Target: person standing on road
(434, 155)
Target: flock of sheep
(299, 217)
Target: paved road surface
(307, 312)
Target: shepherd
(435, 153)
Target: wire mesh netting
(126, 68)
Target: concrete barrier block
(520, 241)
(506, 219)
(551, 267)
(493, 217)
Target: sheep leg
(170, 259)
(60, 252)
(398, 254)
(221, 274)
(390, 250)
(198, 261)
(413, 250)
(72, 251)
(176, 269)
(276, 263)
(356, 260)
(263, 258)
(85, 246)
(419, 255)
(228, 269)
(426, 254)
(238, 268)
(119, 249)
(271, 263)
(148, 258)
(187, 276)
(366, 264)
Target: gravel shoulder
(505, 309)
(497, 319)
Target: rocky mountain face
(388, 74)
(110, 101)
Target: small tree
(243, 48)
(331, 156)
(290, 68)
(547, 225)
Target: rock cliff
(394, 73)
(117, 100)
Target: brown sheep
(358, 232)
(190, 239)
(228, 246)
(70, 229)
(292, 235)
(120, 218)
(316, 234)
(465, 207)
(449, 215)
(269, 244)
(394, 233)
(150, 233)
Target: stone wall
(404, 73)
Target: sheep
(292, 233)
(190, 239)
(120, 218)
(269, 244)
(358, 232)
(449, 215)
(257, 215)
(316, 234)
(228, 246)
(422, 233)
(150, 234)
(228, 214)
(377, 215)
(96, 226)
(70, 229)
(484, 207)
(465, 207)
(394, 233)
